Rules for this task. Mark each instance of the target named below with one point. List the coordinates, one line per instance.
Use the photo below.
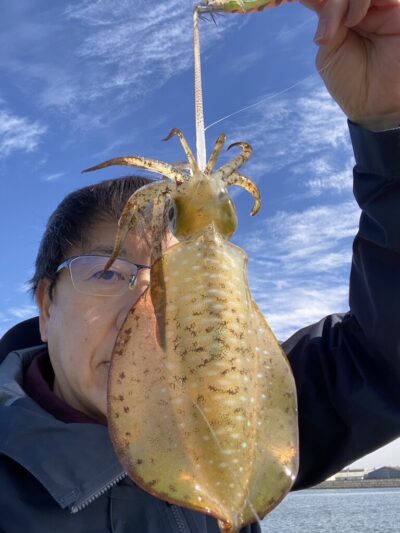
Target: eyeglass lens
(88, 277)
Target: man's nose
(131, 297)
(122, 316)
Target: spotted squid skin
(240, 6)
(209, 421)
(201, 400)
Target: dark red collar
(38, 384)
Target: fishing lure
(239, 6)
(201, 400)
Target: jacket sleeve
(347, 367)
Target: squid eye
(172, 218)
(171, 213)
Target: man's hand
(359, 58)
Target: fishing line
(199, 108)
(269, 97)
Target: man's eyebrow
(104, 250)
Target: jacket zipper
(180, 519)
(87, 501)
(176, 511)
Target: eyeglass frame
(66, 264)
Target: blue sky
(85, 81)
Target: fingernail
(321, 30)
(351, 21)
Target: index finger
(317, 5)
(331, 14)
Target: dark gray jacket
(58, 477)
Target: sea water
(341, 511)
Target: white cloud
(323, 175)
(287, 34)
(303, 305)
(305, 234)
(96, 57)
(138, 47)
(23, 312)
(300, 257)
(246, 61)
(24, 287)
(12, 315)
(53, 177)
(304, 136)
(18, 133)
(299, 264)
(389, 455)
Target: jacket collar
(74, 462)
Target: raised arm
(347, 367)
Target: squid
(202, 407)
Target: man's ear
(44, 302)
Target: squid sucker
(202, 408)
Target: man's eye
(110, 275)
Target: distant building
(385, 472)
(350, 474)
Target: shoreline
(359, 484)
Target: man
(58, 470)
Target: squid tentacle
(236, 163)
(183, 167)
(185, 146)
(219, 144)
(135, 206)
(242, 181)
(159, 221)
(158, 167)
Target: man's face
(81, 329)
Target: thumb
(314, 5)
(330, 13)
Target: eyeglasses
(88, 276)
